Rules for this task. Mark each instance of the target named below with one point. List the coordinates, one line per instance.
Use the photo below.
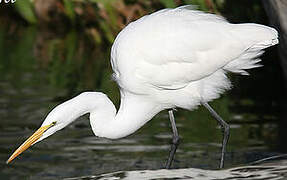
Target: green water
(39, 70)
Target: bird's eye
(54, 123)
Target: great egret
(173, 58)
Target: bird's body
(174, 58)
(179, 57)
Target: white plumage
(180, 56)
(172, 58)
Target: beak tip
(30, 141)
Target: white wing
(173, 47)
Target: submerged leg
(175, 140)
(225, 130)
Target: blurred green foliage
(103, 18)
(26, 9)
(168, 3)
(69, 10)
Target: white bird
(173, 58)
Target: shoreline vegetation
(100, 19)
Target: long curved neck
(134, 112)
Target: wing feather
(172, 48)
(184, 46)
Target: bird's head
(57, 119)
(48, 128)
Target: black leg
(175, 140)
(225, 130)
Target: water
(39, 70)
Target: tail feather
(256, 38)
(246, 61)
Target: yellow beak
(32, 139)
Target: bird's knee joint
(226, 129)
(175, 140)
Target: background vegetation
(102, 19)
